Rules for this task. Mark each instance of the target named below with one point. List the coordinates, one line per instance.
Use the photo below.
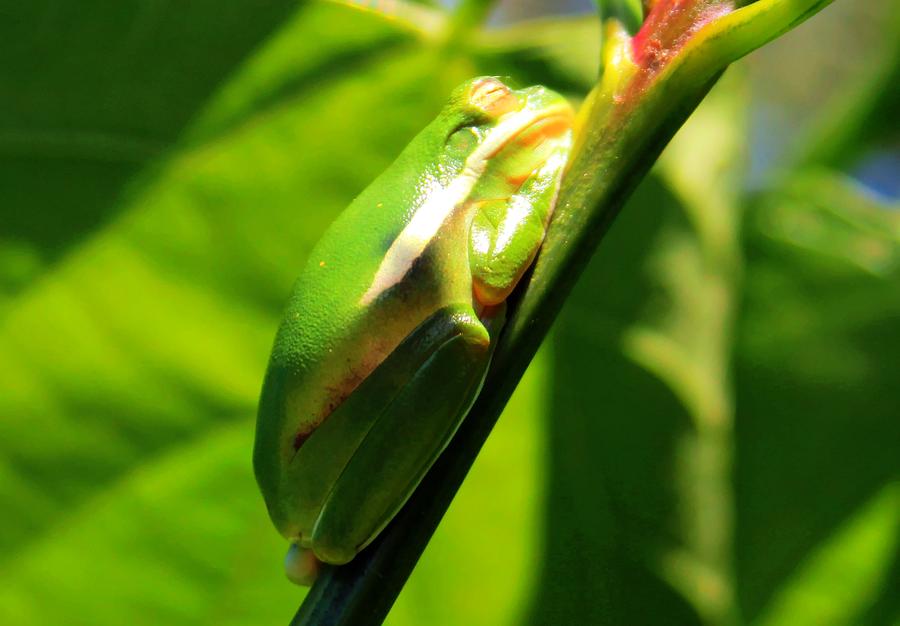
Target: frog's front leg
(507, 232)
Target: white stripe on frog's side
(428, 219)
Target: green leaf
(137, 349)
(817, 352)
(640, 479)
(841, 579)
(90, 94)
(612, 432)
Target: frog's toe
(301, 565)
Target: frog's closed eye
(464, 139)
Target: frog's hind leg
(431, 380)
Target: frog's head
(487, 127)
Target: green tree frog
(391, 325)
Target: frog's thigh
(409, 433)
(506, 234)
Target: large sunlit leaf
(131, 360)
(90, 93)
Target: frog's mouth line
(553, 121)
(544, 128)
(549, 130)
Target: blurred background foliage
(710, 436)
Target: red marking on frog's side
(356, 374)
(301, 437)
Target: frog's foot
(301, 565)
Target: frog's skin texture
(391, 325)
